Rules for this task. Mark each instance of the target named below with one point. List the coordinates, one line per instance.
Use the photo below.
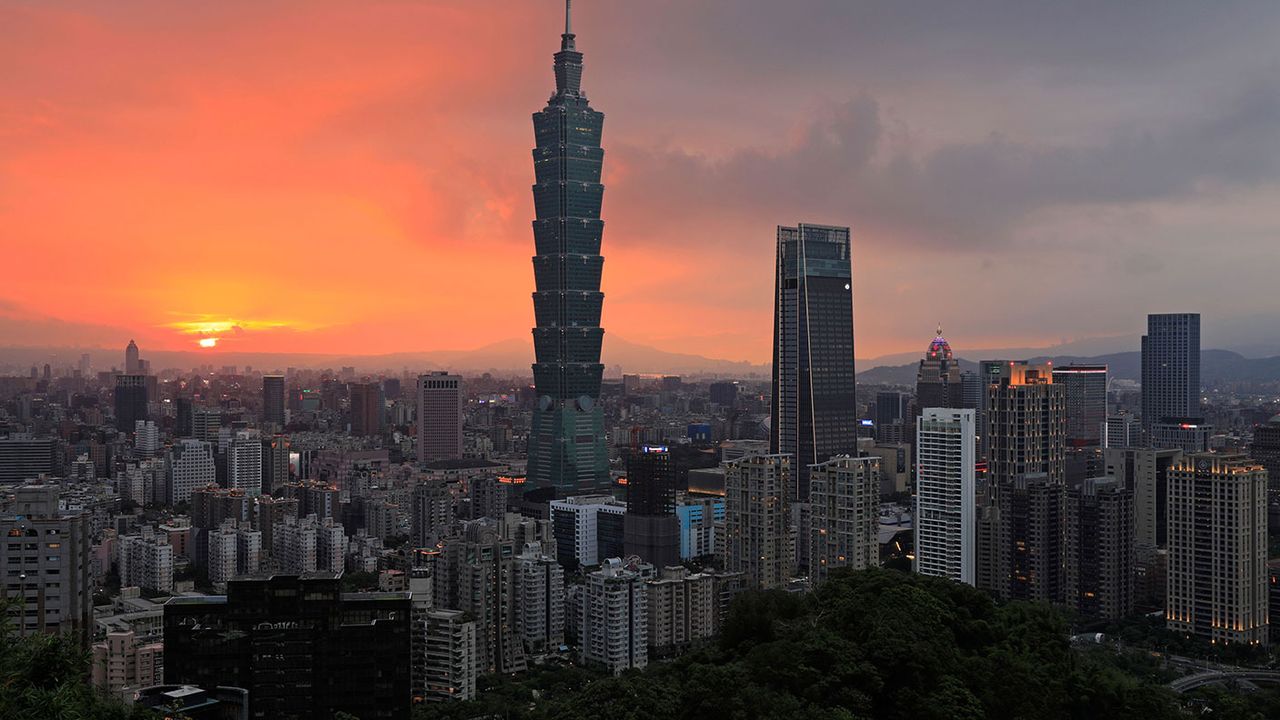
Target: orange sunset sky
(355, 177)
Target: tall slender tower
(567, 443)
(815, 408)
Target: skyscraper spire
(566, 40)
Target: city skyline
(309, 191)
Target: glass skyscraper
(815, 409)
(1170, 368)
(567, 443)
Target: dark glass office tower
(815, 410)
(1170, 368)
(273, 399)
(566, 446)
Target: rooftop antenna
(568, 17)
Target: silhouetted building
(273, 400)
(938, 382)
(1085, 387)
(24, 457)
(651, 529)
(366, 408)
(1146, 472)
(1099, 552)
(815, 406)
(1029, 538)
(567, 439)
(130, 401)
(439, 417)
(1188, 434)
(1170, 368)
(1026, 421)
(300, 646)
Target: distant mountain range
(1216, 366)
(508, 357)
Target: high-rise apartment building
(476, 573)
(946, 493)
(1085, 388)
(567, 439)
(244, 462)
(123, 661)
(433, 512)
(1026, 421)
(189, 465)
(1265, 449)
(49, 548)
(367, 408)
(539, 600)
(273, 400)
(146, 561)
(439, 417)
(1217, 571)
(844, 506)
(1029, 538)
(757, 519)
(130, 401)
(1171, 368)
(681, 609)
(1099, 553)
(614, 624)
(275, 462)
(651, 529)
(815, 409)
(938, 382)
(146, 438)
(300, 646)
(449, 655)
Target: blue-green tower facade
(567, 442)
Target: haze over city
(601, 360)
(328, 177)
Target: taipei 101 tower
(567, 444)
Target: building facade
(614, 625)
(757, 518)
(50, 550)
(946, 493)
(1099, 552)
(844, 506)
(1170, 368)
(439, 417)
(814, 415)
(1217, 572)
(1085, 388)
(300, 646)
(567, 440)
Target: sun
(208, 342)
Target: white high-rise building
(614, 623)
(449, 655)
(189, 465)
(293, 545)
(844, 515)
(146, 561)
(1217, 581)
(222, 565)
(539, 600)
(146, 438)
(946, 493)
(439, 417)
(681, 609)
(579, 523)
(331, 545)
(244, 462)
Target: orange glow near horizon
(336, 177)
